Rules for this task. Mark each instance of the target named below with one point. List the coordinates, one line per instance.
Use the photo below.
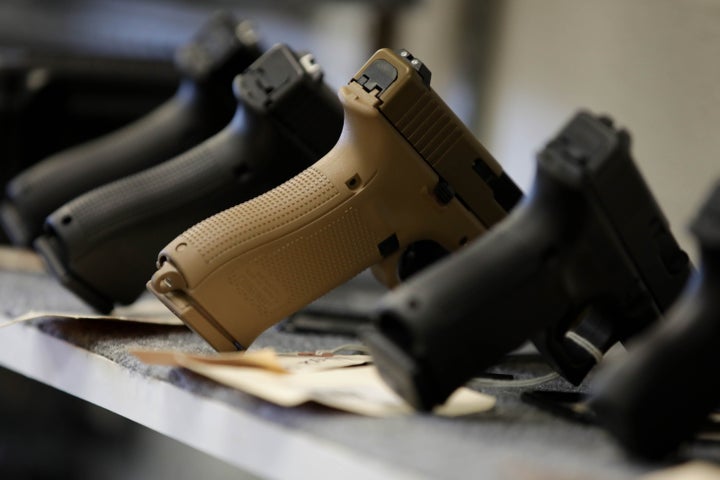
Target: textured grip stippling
(235, 226)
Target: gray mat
(515, 440)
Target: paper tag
(265, 359)
(20, 260)
(328, 380)
(695, 470)
(159, 320)
(262, 359)
(146, 309)
(314, 363)
(20, 319)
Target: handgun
(286, 119)
(661, 393)
(67, 98)
(203, 104)
(406, 182)
(586, 260)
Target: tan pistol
(405, 173)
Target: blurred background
(514, 70)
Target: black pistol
(586, 260)
(202, 105)
(103, 244)
(663, 391)
(65, 98)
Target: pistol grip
(248, 267)
(663, 391)
(441, 327)
(120, 226)
(255, 263)
(169, 130)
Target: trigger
(385, 272)
(589, 340)
(419, 255)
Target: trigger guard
(591, 337)
(401, 265)
(576, 350)
(418, 256)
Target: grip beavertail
(120, 227)
(568, 268)
(202, 105)
(377, 191)
(663, 391)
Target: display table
(90, 359)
